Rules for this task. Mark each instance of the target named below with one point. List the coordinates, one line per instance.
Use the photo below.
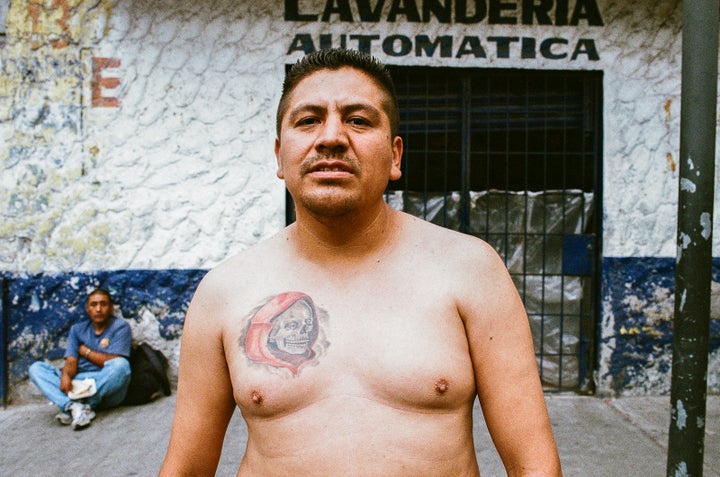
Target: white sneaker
(82, 415)
(63, 418)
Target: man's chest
(295, 349)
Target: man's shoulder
(445, 251)
(257, 256)
(81, 326)
(242, 271)
(433, 236)
(119, 323)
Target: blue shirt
(115, 339)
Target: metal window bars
(513, 157)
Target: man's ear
(397, 147)
(279, 172)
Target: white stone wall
(181, 173)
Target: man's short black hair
(101, 291)
(334, 59)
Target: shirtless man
(356, 340)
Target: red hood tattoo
(283, 337)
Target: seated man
(97, 348)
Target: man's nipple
(256, 397)
(441, 386)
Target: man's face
(335, 150)
(99, 308)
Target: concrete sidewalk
(596, 437)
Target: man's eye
(307, 121)
(359, 121)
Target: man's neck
(100, 327)
(352, 237)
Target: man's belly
(347, 434)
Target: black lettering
(554, 48)
(546, 48)
(495, 13)
(302, 42)
(423, 44)
(586, 46)
(326, 41)
(389, 45)
(461, 14)
(540, 11)
(527, 51)
(442, 12)
(366, 13)
(471, 46)
(588, 10)
(292, 13)
(365, 42)
(409, 9)
(342, 8)
(561, 13)
(503, 44)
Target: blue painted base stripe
(639, 292)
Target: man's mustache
(348, 162)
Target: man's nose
(332, 136)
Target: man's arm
(68, 372)
(96, 357)
(506, 374)
(120, 345)
(70, 367)
(205, 402)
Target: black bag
(148, 378)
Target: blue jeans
(111, 382)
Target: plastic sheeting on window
(527, 228)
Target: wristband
(87, 353)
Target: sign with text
(469, 14)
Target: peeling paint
(681, 415)
(706, 224)
(667, 109)
(687, 185)
(59, 24)
(629, 331)
(41, 116)
(683, 298)
(681, 470)
(34, 303)
(685, 240)
(671, 166)
(638, 310)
